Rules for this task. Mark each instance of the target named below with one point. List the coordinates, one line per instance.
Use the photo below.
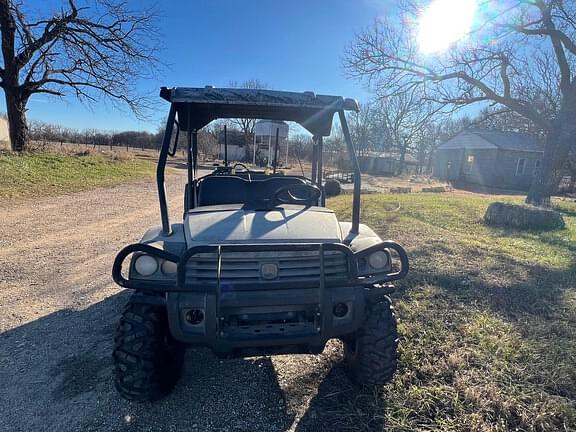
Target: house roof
(491, 139)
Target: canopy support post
(314, 158)
(160, 168)
(275, 165)
(357, 179)
(320, 173)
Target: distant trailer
(341, 176)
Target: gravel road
(58, 311)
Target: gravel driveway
(58, 311)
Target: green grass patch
(487, 317)
(33, 174)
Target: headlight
(378, 260)
(146, 265)
(169, 268)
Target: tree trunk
(559, 140)
(17, 126)
(546, 180)
(402, 160)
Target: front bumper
(249, 323)
(263, 317)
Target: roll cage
(194, 108)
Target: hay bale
(523, 217)
(332, 188)
(400, 190)
(435, 189)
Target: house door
(451, 170)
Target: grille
(244, 267)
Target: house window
(537, 165)
(468, 165)
(520, 167)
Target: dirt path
(58, 311)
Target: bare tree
(247, 125)
(405, 116)
(520, 58)
(86, 51)
(365, 130)
(208, 142)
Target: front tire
(147, 360)
(371, 352)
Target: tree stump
(332, 188)
(523, 217)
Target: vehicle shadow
(340, 405)
(56, 373)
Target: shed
(507, 160)
(385, 163)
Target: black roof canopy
(196, 107)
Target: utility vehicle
(259, 265)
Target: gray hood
(226, 224)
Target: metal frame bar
(160, 168)
(190, 167)
(275, 163)
(317, 166)
(225, 146)
(194, 166)
(220, 249)
(179, 284)
(357, 178)
(319, 173)
(153, 285)
(314, 159)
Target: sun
(444, 22)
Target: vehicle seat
(222, 189)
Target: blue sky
(290, 45)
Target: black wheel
(372, 352)
(332, 188)
(147, 361)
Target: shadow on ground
(341, 406)
(469, 187)
(500, 282)
(56, 374)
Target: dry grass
(46, 173)
(487, 321)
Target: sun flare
(444, 22)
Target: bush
(523, 217)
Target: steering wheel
(241, 165)
(303, 193)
